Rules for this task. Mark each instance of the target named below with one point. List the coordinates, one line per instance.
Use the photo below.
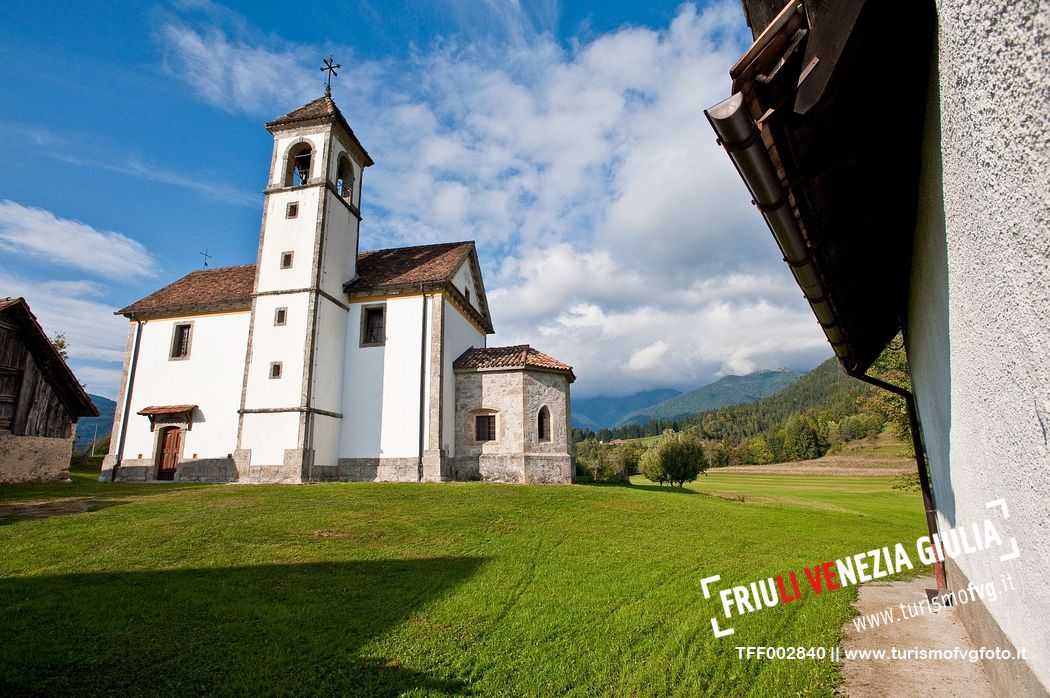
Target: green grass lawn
(452, 589)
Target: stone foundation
(528, 468)
(34, 458)
(207, 470)
(377, 470)
(512, 468)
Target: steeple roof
(322, 110)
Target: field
(452, 589)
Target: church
(321, 362)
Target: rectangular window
(275, 369)
(485, 427)
(292, 211)
(280, 316)
(180, 341)
(373, 326)
(286, 260)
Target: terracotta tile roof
(321, 109)
(167, 409)
(218, 288)
(519, 356)
(403, 266)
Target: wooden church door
(170, 440)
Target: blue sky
(567, 139)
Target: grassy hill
(601, 412)
(730, 390)
(405, 589)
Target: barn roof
(520, 356)
(221, 288)
(51, 364)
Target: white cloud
(614, 234)
(648, 357)
(36, 233)
(96, 337)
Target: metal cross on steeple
(330, 67)
(206, 258)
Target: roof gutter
(742, 139)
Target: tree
(61, 345)
(675, 458)
(758, 452)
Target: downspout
(422, 377)
(920, 463)
(127, 402)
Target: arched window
(543, 424)
(300, 158)
(344, 179)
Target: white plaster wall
(330, 357)
(981, 275)
(268, 435)
(295, 235)
(326, 439)
(463, 279)
(460, 335)
(339, 254)
(210, 378)
(284, 344)
(380, 404)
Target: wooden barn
(40, 400)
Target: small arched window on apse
(543, 424)
(344, 179)
(300, 158)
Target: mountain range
(609, 412)
(104, 421)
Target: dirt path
(941, 629)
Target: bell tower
(290, 401)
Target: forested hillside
(728, 390)
(812, 416)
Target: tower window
(344, 179)
(286, 260)
(373, 326)
(543, 424)
(300, 158)
(280, 317)
(485, 427)
(180, 341)
(275, 369)
(292, 211)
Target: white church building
(321, 362)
